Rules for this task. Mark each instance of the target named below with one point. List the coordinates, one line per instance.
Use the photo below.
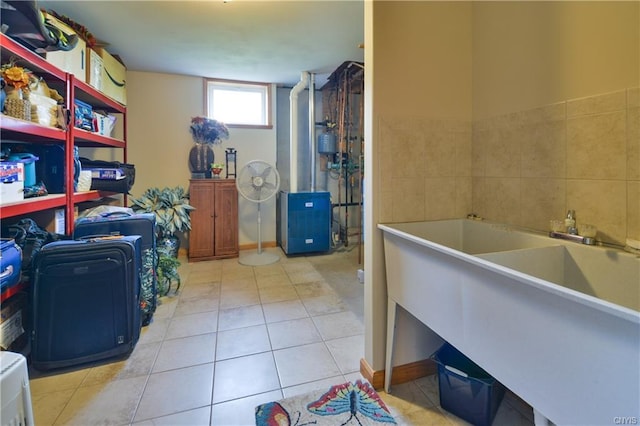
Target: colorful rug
(346, 404)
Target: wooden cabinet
(27, 132)
(214, 222)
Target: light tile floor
(233, 337)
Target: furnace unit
(305, 222)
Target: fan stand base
(258, 259)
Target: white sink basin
(555, 321)
(609, 275)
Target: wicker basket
(18, 108)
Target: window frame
(239, 84)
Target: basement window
(239, 104)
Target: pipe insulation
(312, 129)
(293, 130)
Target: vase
(200, 159)
(215, 172)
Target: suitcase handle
(111, 214)
(456, 371)
(99, 237)
(7, 272)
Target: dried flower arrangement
(208, 131)
(15, 76)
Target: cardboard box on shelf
(73, 61)
(11, 182)
(113, 77)
(95, 69)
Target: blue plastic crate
(466, 390)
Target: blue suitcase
(85, 301)
(10, 263)
(122, 223)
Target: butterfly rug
(346, 404)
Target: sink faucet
(573, 237)
(571, 233)
(570, 223)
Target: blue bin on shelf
(29, 161)
(466, 390)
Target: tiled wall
(584, 154)
(425, 169)
(522, 168)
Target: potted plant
(216, 169)
(171, 207)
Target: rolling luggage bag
(10, 263)
(121, 223)
(85, 299)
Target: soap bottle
(570, 222)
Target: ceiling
(260, 41)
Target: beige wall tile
(633, 143)
(597, 146)
(503, 200)
(408, 199)
(608, 102)
(388, 133)
(633, 210)
(479, 196)
(543, 199)
(412, 148)
(464, 191)
(544, 149)
(440, 150)
(602, 203)
(440, 198)
(408, 155)
(479, 149)
(503, 153)
(597, 149)
(463, 143)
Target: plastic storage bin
(466, 390)
(29, 161)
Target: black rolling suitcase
(85, 301)
(122, 223)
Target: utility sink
(556, 322)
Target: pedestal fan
(258, 181)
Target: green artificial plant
(171, 207)
(167, 273)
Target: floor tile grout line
(146, 382)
